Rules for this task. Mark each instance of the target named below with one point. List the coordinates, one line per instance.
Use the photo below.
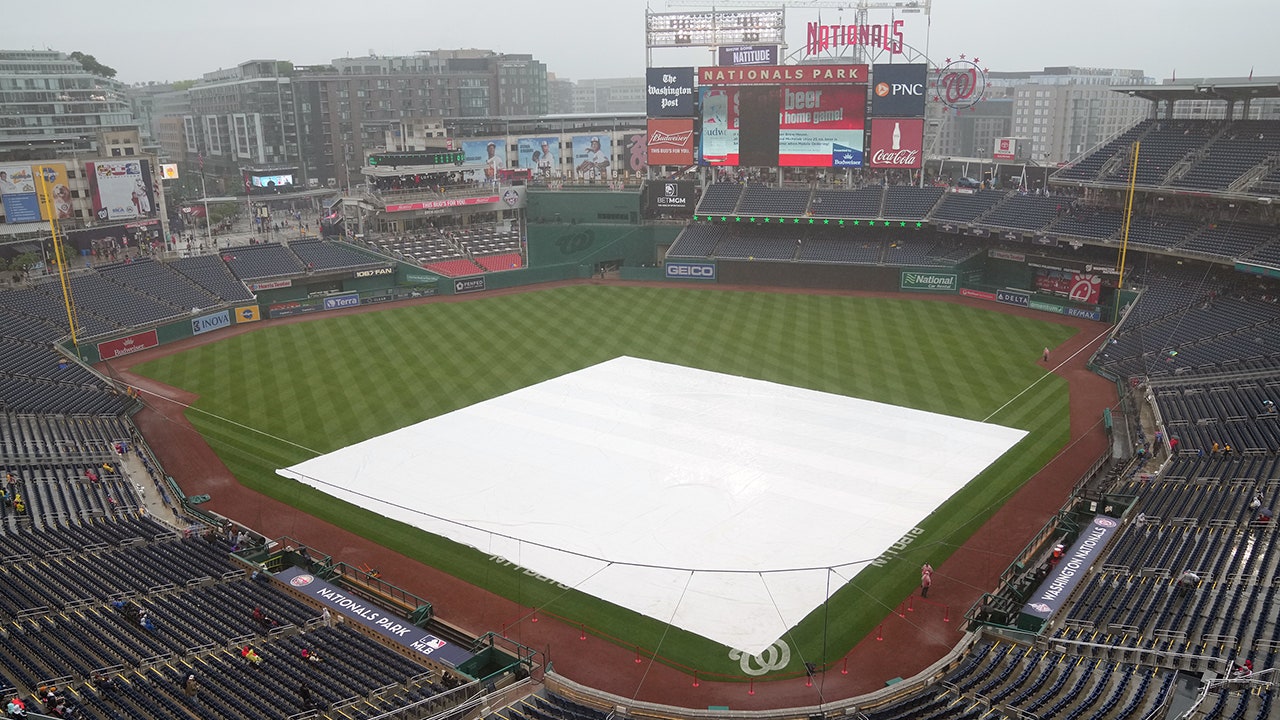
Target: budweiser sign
(678, 139)
(671, 141)
(896, 143)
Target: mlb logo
(434, 643)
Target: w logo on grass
(775, 657)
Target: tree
(183, 85)
(91, 65)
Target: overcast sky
(175, 40)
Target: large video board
(786, 126)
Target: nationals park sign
(358, 610)
(784, 75)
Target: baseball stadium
(797, 422)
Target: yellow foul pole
(1128, 215)
(46, 204)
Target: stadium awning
(1229, 89)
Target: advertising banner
(719, 140)
(18, 194)
(672, 197)
(821, 126)
(20, 188)
(375, 272)
(539, 154)
(342, 301)
(444, 203)
(1013, 297)
(417, 278)
(635, 151)
(490, 152)
(690, 271)
(367, 615)
(121, 190)
(841, 74)
(896, 143)
(671, 142)
(169, 171)
(468, 285)
(899, 90)
(128, 345)
(669, 92)
(980, 294)
(935, 282)
(1085, 288)
(270, 285)
(1005, 149)
(247, 314)
(288, 309)
(1072, 568)
(592, 156)
(739, 55)
(202, 325)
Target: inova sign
(940, 282)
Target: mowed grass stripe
(332, 382)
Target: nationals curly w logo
(775, 657)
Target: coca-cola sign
(896, 143)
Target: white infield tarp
(710, 501)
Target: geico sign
(686, 270)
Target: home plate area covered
(719, 504)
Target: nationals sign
(896, 143)
(671, 141)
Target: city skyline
(1159, 39)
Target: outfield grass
(326, 384)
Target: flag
(1250, 73)
(200, 161)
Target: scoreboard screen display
(784, 126)
(443, 157)
(821, 126)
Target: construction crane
(861, 10)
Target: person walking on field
(1045, 356)
(926, 579)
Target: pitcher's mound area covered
(712, 501)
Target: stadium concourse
(909, 643)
